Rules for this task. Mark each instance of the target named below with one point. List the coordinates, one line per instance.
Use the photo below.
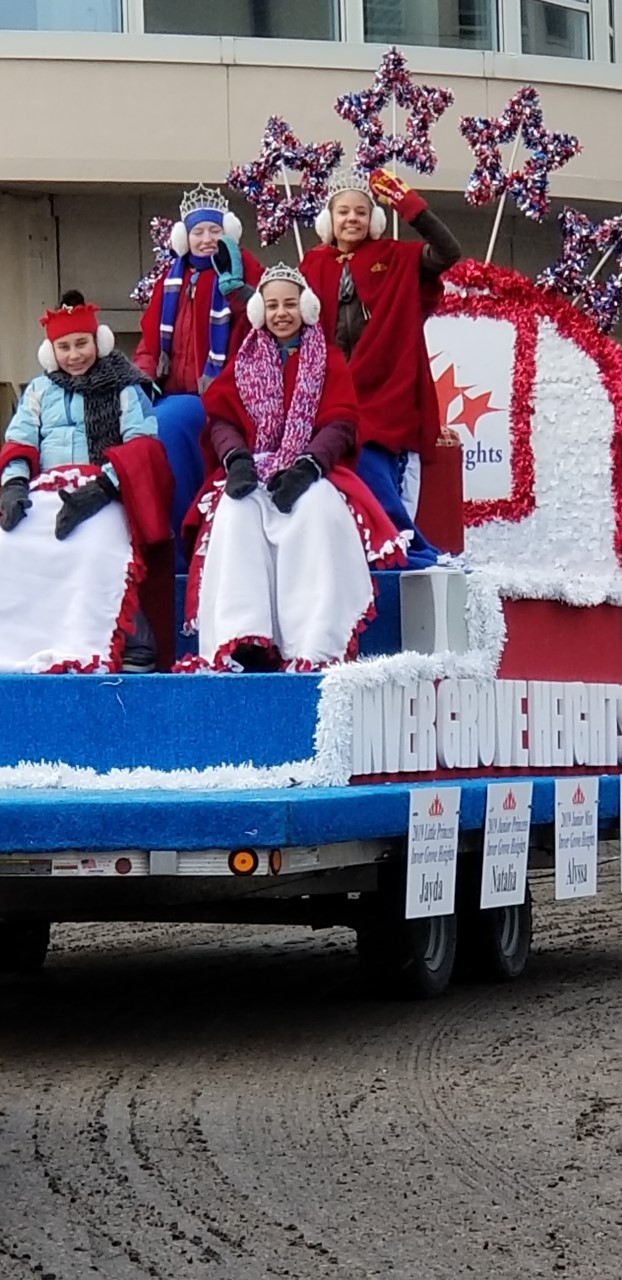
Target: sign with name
(576, 837)
(472, 364)
(432, 851)
(506, 844)
(423, 725)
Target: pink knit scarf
(281, 437)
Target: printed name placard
(432, 850)
(576, 837)
(506, 844)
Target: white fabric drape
(299, 581)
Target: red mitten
(390, 190)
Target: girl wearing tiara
(376, 294)
(284, 530)
(195, 321)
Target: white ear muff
(179, 239)
(309, 307)
(105, 340)
(46, 357)
(377, 222)
(324, 226)
(256, 311)
(232, 226)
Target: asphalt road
(227, 1103)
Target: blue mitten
(227, 262)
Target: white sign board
(472, 364)
(432, 851)
(506, 844)
(576, 837)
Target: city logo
(509, 803)
(436, 809)
(578, 797)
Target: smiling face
(203, 238)
(351, 213)
(282, 303)
(76, 353)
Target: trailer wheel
(23, 946)
(494, 945)
(412, 959)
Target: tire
(494, 944)
(411, 959)
(23, 947)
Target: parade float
(480, 731)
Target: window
(560, 31)
(276, 19)
(60, 15)
(447, 24)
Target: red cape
(337, 404)
(390, 364)
(191, 334)
(145, 482)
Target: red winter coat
(191, 333)
(390, 364)
(337, 404)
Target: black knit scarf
(101, 387)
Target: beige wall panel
(148, 121)
(99, 244)
(162, 122)
(29, 282)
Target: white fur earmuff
(324, 224)
(104, 339)
(179, 239)
(46, 357)
(232, 226)
(256, 311)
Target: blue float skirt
(381, 472)
(181, 420)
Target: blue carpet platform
(171, 722)
(47, 821)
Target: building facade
(111, 107)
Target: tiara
(349, 180)
(203, 197)
(282, 272)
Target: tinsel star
(529, 186)
(281, 151)
(424, 104)
(160, 230)
(581, 241)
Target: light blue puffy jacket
(52, 421)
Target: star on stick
(393, 85)
(281, 151)
(160, 231)
(520, 121)
(582, 240)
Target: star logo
(456, 408)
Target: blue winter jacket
(52, 421)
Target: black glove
(288, 486)
(242, 476)
(81, 504)
(14, 503)
(222, 258)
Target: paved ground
(226, 1103)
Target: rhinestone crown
(283, 272)
(348, 180)
(203, 197)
